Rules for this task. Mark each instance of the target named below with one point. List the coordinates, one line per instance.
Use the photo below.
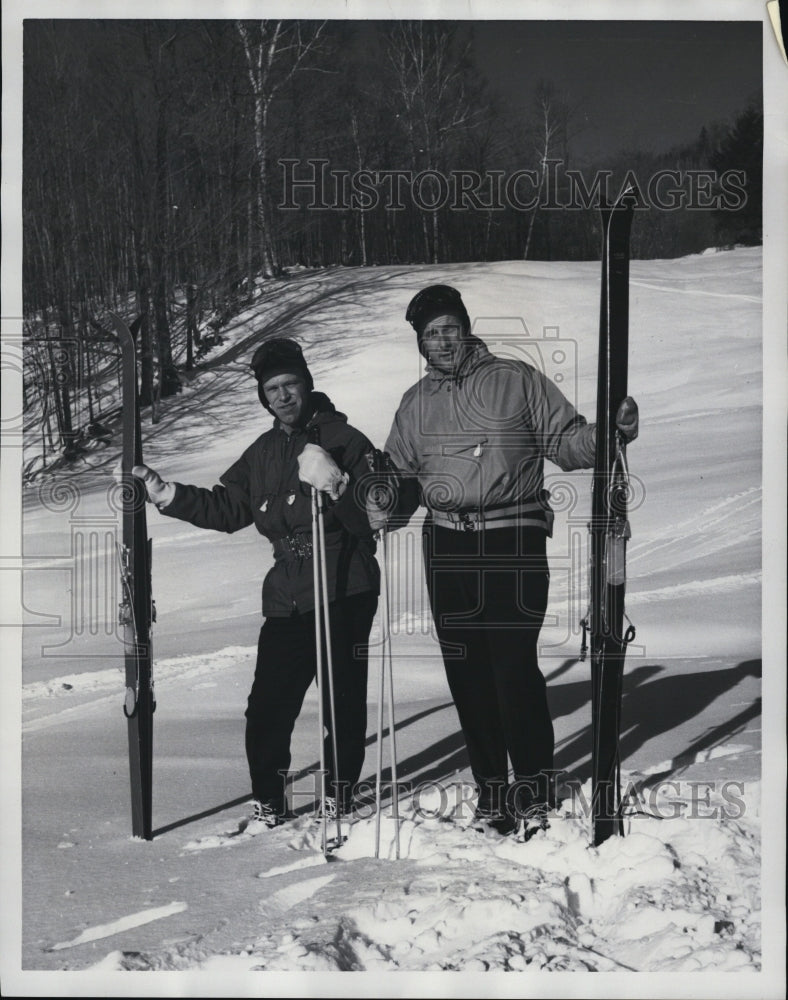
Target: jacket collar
(323, 411)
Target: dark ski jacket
(263, 488)
(477, 439)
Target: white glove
(317, 468)
(159, 492)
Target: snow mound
(675, 894)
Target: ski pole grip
(376, 460)
(382, 492)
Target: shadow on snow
(652, 705)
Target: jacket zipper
(476, 447)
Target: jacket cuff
(163, 504)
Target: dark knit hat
(279, 356)
(435, 300)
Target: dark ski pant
(286, 666)
(488, 593)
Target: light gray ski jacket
(477, 440)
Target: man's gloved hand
(159, 492)
(382, 494)
(378, 506)
(317, 468)
(627, 419)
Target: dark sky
(644, 84)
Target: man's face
(287, 396)
(443, 342)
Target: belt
(525, 513)
(293, 547)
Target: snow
(681, 892)
(124, 924)
(554, 904)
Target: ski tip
(630, 196)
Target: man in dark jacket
(310, 445)
(471, 437)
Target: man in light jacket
(468, 442)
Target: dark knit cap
(279, 356)
(435, 300)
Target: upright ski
(609, 527)
(137, 611)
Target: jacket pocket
(452, 476)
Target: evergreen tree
(741, 150)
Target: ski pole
(329, 659)
(381, 695)
(319, 670)
(385, 659)
(392, 728)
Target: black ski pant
(488, 593)
(286, 666)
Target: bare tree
(429, 73)
(550, 136)
(359, 166)
(275, 51)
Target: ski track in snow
(690, 540)
(57, 697)
(696, 528)
(695, 588)
(674, 289)
(713, 753)
(175, 668)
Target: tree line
(158, 154)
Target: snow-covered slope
(681, 893)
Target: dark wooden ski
(137, 611)
(609, 527)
